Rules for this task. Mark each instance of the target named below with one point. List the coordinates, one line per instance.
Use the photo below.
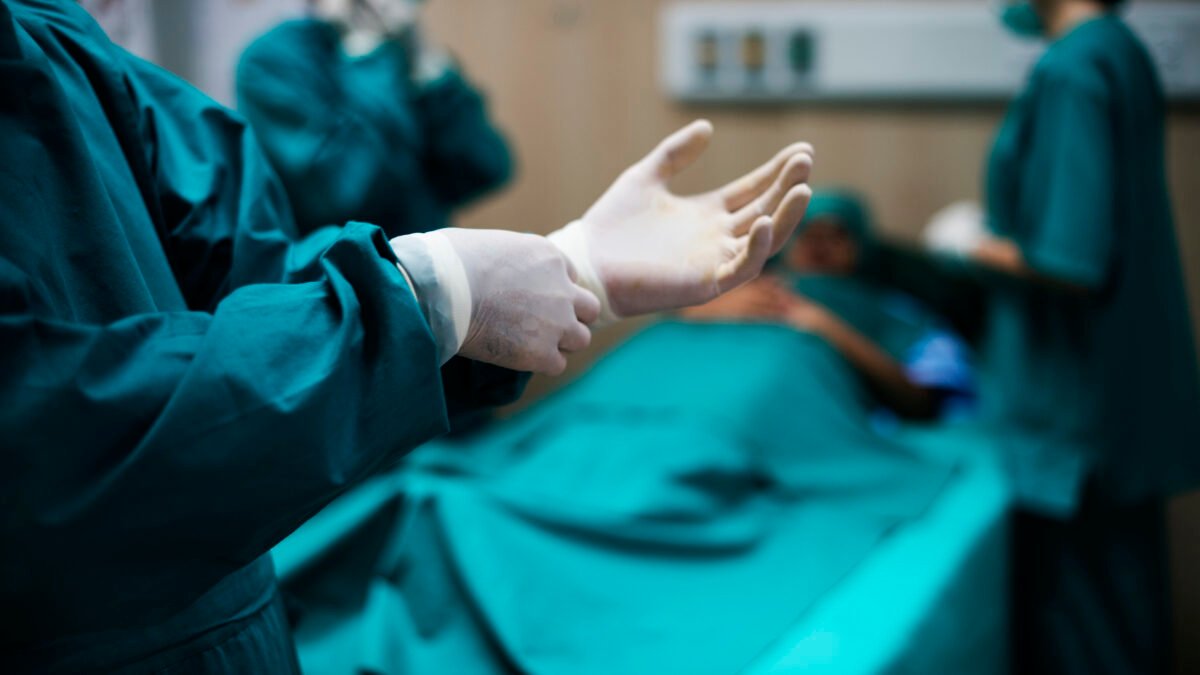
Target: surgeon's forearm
(1003, 256)
(882, 372)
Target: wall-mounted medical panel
(919, 51)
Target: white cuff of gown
(572, 241)
(439, 280)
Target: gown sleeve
(1067, 196)
(467, 156)
(147, 457)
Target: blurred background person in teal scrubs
(356, 104)
(1089, 363)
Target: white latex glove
(367, 23)
(643, 249)
(958, 229)
(430, 60)
(499, 297)
(340, 12)
(394, 16)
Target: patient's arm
(767, 300)
(760, 300)
(883, 373)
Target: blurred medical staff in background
(1090, 369)
(364, 118)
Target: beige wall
(574, 82)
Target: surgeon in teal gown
(346, 133)
(182, 384)
(1089, 364)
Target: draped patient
(721, 454)
(912, 363)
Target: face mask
(1022, 19)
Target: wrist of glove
(439, 280)
(572, 242)
(497, 297)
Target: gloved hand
(394, 17)
(338, 12)
(499, 297)
(367, 23)
(643, 249)
(958, 229)
(430, 61)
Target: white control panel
(920, 51)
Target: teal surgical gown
(1102, 383)
(347, 135)
(181, 384)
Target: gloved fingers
(789, 214)
(572, 271)
(736, 195)
(372, 9)
(335, 11)
(540, 355)
(679, 151)
(587, 306)
(795, 172)
(576, 338)
(390, 17)
(749, 261)
(551, 364)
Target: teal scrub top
(358, 139)
(1102, 383)
(183, 383)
